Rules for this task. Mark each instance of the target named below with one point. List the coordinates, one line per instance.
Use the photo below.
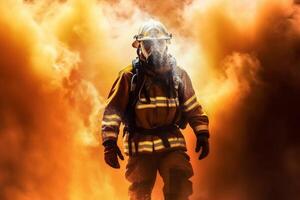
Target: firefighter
(154, 98)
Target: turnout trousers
(173, 166)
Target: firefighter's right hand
(202, 144)
(111, 153)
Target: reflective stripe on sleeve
(191, 106)
(106, 134)
(190, 100)
(111, 123)
(112, 117)
(201, 127)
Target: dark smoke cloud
(256, 152)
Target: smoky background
(58, 60)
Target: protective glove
(202, 144)
(111, 153)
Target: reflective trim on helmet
(154, 38)
(151, 30)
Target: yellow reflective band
(177, 145)
(142, 106)
(150, 146)
(111, 117)
(172, 139)
(177, 142)
(112, 123)
(162, 98)
(132, 147)
(146, 143)
(158, 102)
(201, 127)
(189, 100)
(174, 142)
(126, 147)
(109, 134)
(157, 141)
(159, 99)
(175, 139)
(145, 146)
(159, 147)
(145, 149)
(191, 106)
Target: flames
(59, 59)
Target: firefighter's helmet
(151, 30)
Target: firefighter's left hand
(203, 145)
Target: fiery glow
(58, 60)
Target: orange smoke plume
(59, 58)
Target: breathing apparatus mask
(154, 52)
(151, 43)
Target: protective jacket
(157, 114)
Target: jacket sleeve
(192, 110)
(115, 106)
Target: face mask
(154, 51)
(156, 60)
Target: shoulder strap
(135, 69)
(182, 123)
(133, 94)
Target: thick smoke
(34, 123)
(58, 60)
(256, 147)
(49, 104)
